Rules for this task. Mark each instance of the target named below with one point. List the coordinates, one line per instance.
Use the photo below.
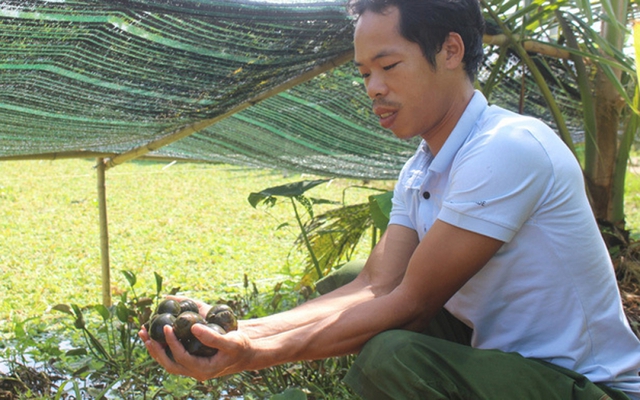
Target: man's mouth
(387, 118)
(386, 111)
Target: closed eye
(388, 67)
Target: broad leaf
(103, 311)
(65, 308)
(289, 190)
(131, 277)
(380, 205)
(80, 351)
(122, 312)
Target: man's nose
(376, 86)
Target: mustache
(381, 102)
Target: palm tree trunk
(600, 160)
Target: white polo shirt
(550, 292)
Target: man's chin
(403, 134)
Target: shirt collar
(463, 128)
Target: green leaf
(289, 190)
(306, 203)
(611, 14)
(80, 351)
(62, 391)
(585, 7)
(616, 83)
(97, 345)
(525, 11)
(19, 331)
(315, 200)
(122, 312)
(103, 311)
(290, 394)
(380, 206)
(63, 308)
(158, 283)
(79, 322)
(131, 277)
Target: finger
(144, 335)
(159, 352)
(180, 354)
(175, 297)
(185, 363)
(208, 336)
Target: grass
(191, 223)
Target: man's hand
(234, 353)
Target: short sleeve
(399, 210)
(496, 182)
(410, 178)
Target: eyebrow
(382, 54)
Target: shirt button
(426, 195)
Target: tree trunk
(600, 168)
(608, 106)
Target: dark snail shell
(182, 316)
(156, 328)
(226, 319)
(219, 308)
(224, 316)
(217, 328)
(183, 323)
(196, 348)
(188, 305)
(168, 306)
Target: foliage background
(191, 223)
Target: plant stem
(316, 264)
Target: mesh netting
(87, 78)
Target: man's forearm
(310, 312)
(382, 273)
(337, 333)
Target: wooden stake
(104, 234)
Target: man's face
(406, 90)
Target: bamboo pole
(56, 156)
(104, 234)
(200, 125)
(91, 154)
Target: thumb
(209, 334)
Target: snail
(181, 316)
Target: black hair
(429, 22)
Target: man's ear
(453, 50)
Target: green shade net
(100, 78)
